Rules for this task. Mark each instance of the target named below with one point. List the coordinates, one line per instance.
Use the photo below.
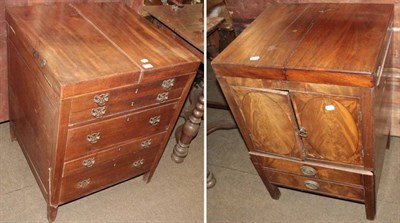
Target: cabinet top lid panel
(324, 38)
(92, 41)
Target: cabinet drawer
(310, 171)
(128, 166)
(95, 159)
(85, 139)
(103, 104)
(316, 186)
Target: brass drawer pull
(93, 138)
(311, 185)
(43, 62)
(308, 171)
(84, 183)
(303, 132)
(168, 84)
(162, 97)
(99, 112)
(138, 163)
(145, 144)
(101, 99)
(155, 120)
(35, 53)
(89, 162)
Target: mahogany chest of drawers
(94, 93)
(307, 86)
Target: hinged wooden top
(96, 42)
(323, 43)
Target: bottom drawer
(78, 185)
(316, 186)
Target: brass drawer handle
(311, 185)
(35, 53)
(99, 112)
(43, 62)
(145, 144)
(303, 132)
(101, 99)
(84, 183)
(168, 84)
(162, 97)
(308, 171)
(93, 138)
(89, 162)
(155, 120)
(138, 163)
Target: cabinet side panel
(32, 116)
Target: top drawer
(103, 104)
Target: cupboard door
(269, 119)
(329, 127)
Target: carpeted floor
(240, 195)
(175, 193)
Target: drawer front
(128, 166)
(106, 103)
(85, 139)
(316, 186)
(102, 157)
(310, 171)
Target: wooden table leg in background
(189, 130)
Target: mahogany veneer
(309, 89)
(94, 93)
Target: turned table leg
(189, 131)
(51, 213)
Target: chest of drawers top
(83, 48)
(322, 43)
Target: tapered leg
(51, 213)
(388, 141)
(13, 137)
(272, 189)
(211, 181)
(189, 131)
(370, 201)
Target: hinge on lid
(360, 116)
(362, 151)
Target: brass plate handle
(145, 144)
(303, 132)
(89, 162)
(155, 120)
(93, 138)
(101, 99)
(168, 84)
(310, 184)
(138, 163)
(99, 112)
(162, 97)
(308, 171)
(84, 183)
